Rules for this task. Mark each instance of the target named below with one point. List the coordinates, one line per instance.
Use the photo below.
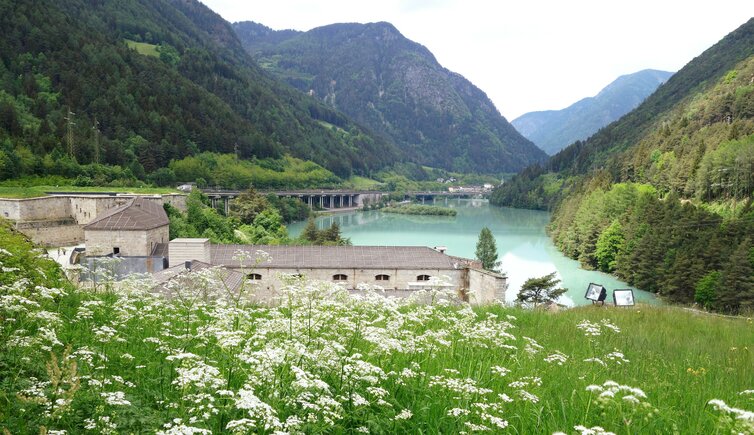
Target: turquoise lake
(523, 245)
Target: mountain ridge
(552, 130)
(134, 112)
(395, 87)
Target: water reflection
(523, 245)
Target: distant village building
(133, 229)
(186, 187)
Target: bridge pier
(326, 199)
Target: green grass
(362, 183)
(143, 48)
(324, 362)
(37, 191)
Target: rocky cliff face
(396, 88)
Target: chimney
(188, 265)
(441, 249)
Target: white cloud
(527, 55)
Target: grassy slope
(143, 48)
(37, 191)
(679, 359)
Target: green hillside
(397, 88)
(663, 197)
(116, 90)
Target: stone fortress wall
(58, 220)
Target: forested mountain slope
(663, 197)
(395, 87)
(553, 130)
(136, 83)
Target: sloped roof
(231, 278)
(336, 257)
(137, 214)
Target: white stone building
(131, 230)
(400, 270)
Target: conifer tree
(540, 290)
(737, 283)
(310, 231)
(486, 250)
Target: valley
(212, 223)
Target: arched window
(339, 277)
(422, 278)
(254, 276)
(382, 277)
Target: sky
(526, 55)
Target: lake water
(523, 246)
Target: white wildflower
(596, 360)
(476, 427)
(404, 415)
(457, 412)
(739, 414)
(501, 371)
(556, 358)
(117, 398)
(583, 430)
(527, 396)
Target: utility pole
(96, 140)
(69, 133)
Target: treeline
(74, 96)
(418, 209)
(252, 220)
(328, 237)
(662, 198)
(665, 246)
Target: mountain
(553, 130)
(663, 196)
(395, 87)
(134, 84)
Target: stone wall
(85, 209)
(36, 209)
(177, 200)
(10, 209)
(98, 269)
(485, 287)
(63, 232)
(269, 282)
(129, 243)
(155, 236)
(43, 218)
(371, 198)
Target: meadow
(127, 359)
